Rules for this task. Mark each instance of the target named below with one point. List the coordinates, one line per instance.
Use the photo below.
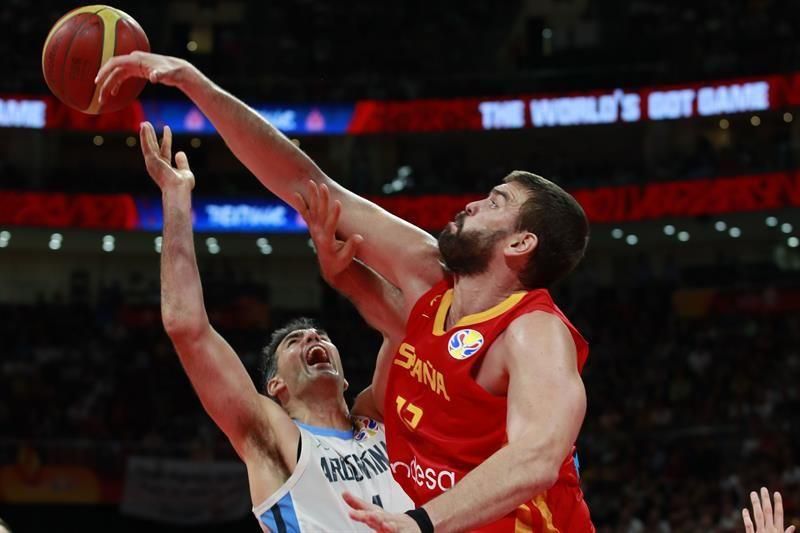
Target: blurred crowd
(303, 50)
(686, 411)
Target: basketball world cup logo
(464, 344)
(365, 427)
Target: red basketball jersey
(440, 424)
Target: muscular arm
(546, 406)
(221, 381)
(402, 253)
(216, 372)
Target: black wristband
(420, 516)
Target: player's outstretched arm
(216, 372)
(404, 254)
(765, 519)
(546, 406)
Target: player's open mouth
(317, 357)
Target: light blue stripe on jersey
(281, 517)
(326, 432)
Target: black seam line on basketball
(279, 523)
(71, 42)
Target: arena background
(675, 124)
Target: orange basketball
(79, 44)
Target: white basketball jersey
(333, 461)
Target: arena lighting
(724, 124)
(213, 245)
(264, 245)
(5, 236)
(771, 222)
(788, 117)
(793, 242)
(191, 46)
(755, 120)
(195, 142)
(56, 237)
(632, 239)
(786, 227)
(98, 140)
(157, 242)
(130, 141)
(683, 236)
(720, 225)
(669, 229)
(735, 232)
(55, 244)
(108, 243)
(617, 233)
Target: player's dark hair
(559, 223)
(269, 356)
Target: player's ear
(522, 243)
(275, 386)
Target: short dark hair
(269, 357)
(560, 224)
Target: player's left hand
(322, 216)
(378, 519)
(158, 160)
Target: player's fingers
(748, 523)
(790, 529)
(758, 515)
(182, 161)
(312, 197)
(106, 68)
(350, 248)
(166, 144)
(356, 503)
(324, 199)
(147, 139)
(302, 206)
(778, 509)
(766, 507)
(369, 518)
(331, 218)
(109, 85)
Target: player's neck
(322, 412)
(474, 294)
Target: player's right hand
(766, 519)
(158, 159)
(156, 68)
(334, 255)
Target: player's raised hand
(322, 216)
(765, 519)
(158, 159)
(154, 67)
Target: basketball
(77, 46)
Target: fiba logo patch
(365, 427)
(464, 344)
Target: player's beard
(467, 253)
